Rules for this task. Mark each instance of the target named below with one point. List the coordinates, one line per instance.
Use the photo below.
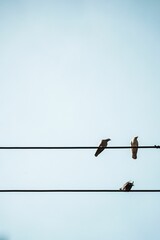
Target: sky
(73, 73)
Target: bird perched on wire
(134, 145)
(127, 186)
(102, 146)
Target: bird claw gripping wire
(156, 146)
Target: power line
(116, 147)
(74, 190)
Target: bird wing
(101, 147)
(134, 145)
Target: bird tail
(134, 156)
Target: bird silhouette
(134, 145)
(127, 186)
(102, 146)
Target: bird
(127, 186)
(102, 146)
(134, 145)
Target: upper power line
(79, 147)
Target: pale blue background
(71, 74)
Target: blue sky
(73, 73)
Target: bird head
(108, 139)
(131, 182)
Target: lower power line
(74, 190)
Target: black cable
(116, 147)
(73, 190)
